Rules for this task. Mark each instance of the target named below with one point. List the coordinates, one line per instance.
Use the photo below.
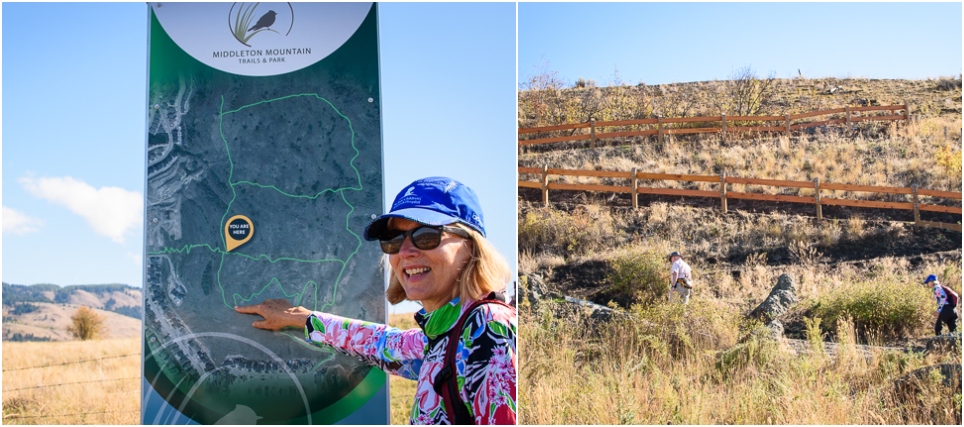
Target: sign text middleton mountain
(250, 53)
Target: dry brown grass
(625, 376)
(669, 364)
(898, 158)
(928, 98)
(629, 372)
(925, 151)
(108, 390)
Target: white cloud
(110, 211)
(17, 222)
(136, 259)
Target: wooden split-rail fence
(598, 130)
(634, 189)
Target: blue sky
(74, 127)
(683, 42)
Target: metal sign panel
(263, 167)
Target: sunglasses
(425, 238)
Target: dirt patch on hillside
(886, 232)
(581, 280)
(568, 200)
(912, 242)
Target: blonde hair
(486, 271)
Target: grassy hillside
(48, 320)
(857, 273)
(42, 312)
(549, 101)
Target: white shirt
(680, 269)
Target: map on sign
(259, 188)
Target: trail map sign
(263, 167)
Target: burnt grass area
(590, 279)
(920, 240)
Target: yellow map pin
(237, 231)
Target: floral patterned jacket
(485, 363)
(940, 296)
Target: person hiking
(947, 301)
(680, 278)
(464, 354)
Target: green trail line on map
(298, 296)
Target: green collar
(439, 321)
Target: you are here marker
(237, 231)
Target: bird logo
(266, 21)
(243, 26)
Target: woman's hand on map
(277, 314)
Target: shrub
(948, 83)
(86, 324)
(886, 308)
(586, 229)
(949, 160)
(641, 274)
(584, 83)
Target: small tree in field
(749, 95)
(86, 324)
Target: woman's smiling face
(429, 276)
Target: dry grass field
(97, 382)
(72, 382)
(925, 152)
(674, 372)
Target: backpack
(446, 382)
(952, 297)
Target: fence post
(723, 190)
(635, 190)
(659, 129)
(592, 133)
(786, 117)
(816, 195)
(916, 211)
(723, 119)
(907, 111)
(545, 185)
(847, 108)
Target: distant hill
(41, 312)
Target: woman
(435, 240)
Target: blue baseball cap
(433, 201)
(931, 278)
